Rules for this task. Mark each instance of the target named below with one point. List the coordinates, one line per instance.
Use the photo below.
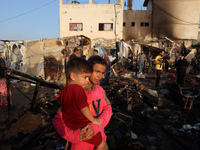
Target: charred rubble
(140, 119)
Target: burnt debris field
(143, 118)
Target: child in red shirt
(75, 109)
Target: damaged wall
(46, 58)
(137, 25)
(88, 17)
(176, 19)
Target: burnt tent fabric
(183, 51)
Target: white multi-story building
(96, 21)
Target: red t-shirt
(73, 99)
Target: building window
(124, 24)
(132, 24)
(146, 24)
(75, 27)
(105, 26)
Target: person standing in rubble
(106, 58)
(83, 57)
(72, 56)
(149, 55)
(150, 65)
(158, 62)
(142, 61)
(166, 59)
(75, 54)
(99, 105)
(3, 87)
(199, 64)
(2, 66)
(180, 67)
(95, 52)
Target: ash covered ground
(163, 123)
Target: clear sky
(36, 19)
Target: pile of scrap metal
(190, 51)
(184, 96)
(125, 91)
(20, 76)
(33, 122)
(46, 57)
(122, 74)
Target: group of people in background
(180, 67)
(143, 61)
(95, 53)
(161, 64)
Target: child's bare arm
(97, 121)
(86, 112)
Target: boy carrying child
(74, 105)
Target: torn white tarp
(123, 49)
(137, 49)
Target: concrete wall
(176, 19)
(90, 15)
(137, 32)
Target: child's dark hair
(78, 65)
(97, 60)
